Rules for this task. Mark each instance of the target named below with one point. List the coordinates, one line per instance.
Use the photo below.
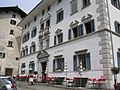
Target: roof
(15, 9)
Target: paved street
(25, 86)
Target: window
(35, 18)
(17, 58)
(59, 1)
(48, 8)
(75, 32)
(31, 67)
(34, 32)
(42, 27)
(26, 37)
(118, 59)
(86, 3)
(33, 48)
(41, 45)
(116, 3)
(83, 59)
(26, 51)
(58, 64)
(13, 22)
(47, 43)
(23, 65)
(12, 32)
(60, 15)
(58, 38)
(10, 44)
(117, 27)
(13, 16)
(25, 26)
(73, 7)
(89, 26)
(48, 23)
(28, 24)
(43, 12)
(2, 55)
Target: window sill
(86, 6)
(73, 13)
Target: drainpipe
(111, 38)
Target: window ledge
(73, 13)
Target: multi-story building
(81, 34)
(10, 38)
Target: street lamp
(80, 69)
(66, 69)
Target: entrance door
(43, 64)
(8, 71)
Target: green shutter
(88, 61)
(62, 64)
(75, 62)
(80, 30)
(118, 59)
(69, 34)
(54, 40)
(53, 65)
(92, 26)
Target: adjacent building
(10, 38)
(72, 35)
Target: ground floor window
(82, 60)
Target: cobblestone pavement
(22, 85)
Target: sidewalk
(68, 87)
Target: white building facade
(74, 32)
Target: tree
(115, 71)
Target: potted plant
(115, 71)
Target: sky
(25, 5)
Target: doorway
(43, 65)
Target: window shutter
(116, 26)
(54, 40)
(92, 25)
(62, 64)
(69, 34)
(80, 30)
(62, 15)
(88, 61)
(61, 37)
(75, 62)
(3, 55)
(53, 65)
(118, 59)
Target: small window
(86, 3)
(58, 38)
(42, 27)
(13, 16)
(117, 27)
(60, 16)
(10, 44)
(13, 22)
(16, 58)
(2, 55)
(48, 23)
(48, 8)
(35, 18)
(12, 32)
(25, 26)
(73, 7)
(43, 12)
(59, 1)
(28, 24)
(34, 32)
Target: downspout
(111, 39)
